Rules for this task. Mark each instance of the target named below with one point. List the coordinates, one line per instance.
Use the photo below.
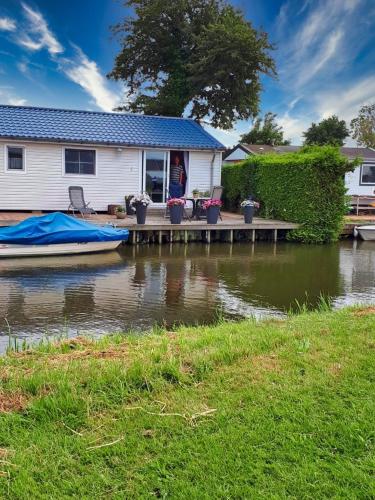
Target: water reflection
(137, 287)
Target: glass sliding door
(155, 175)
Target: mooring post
(231, 236)
(160, 238)
(275, 235)
(253, 236)
(185, 237)
(134, 237)
(171, 236)
(208, 236)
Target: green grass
(272, 409)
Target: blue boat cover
(56, 228)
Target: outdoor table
(196, 202)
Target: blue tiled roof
(22, 122)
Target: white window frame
(11, 170)
(364, 164)
(165, 174)
(79, 176)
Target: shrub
(306, 187)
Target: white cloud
(325, 53)
(293, 127)
(23, 67)
(227, 137)
(30, 44)
(327, 34)
(81, 70)
(319, 59)
(14, 101)
(345, 100)
(7, 24)
(8, 96)
(85, 73)
(39, 35)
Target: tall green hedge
(306, 187)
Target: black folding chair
(77, 202)
(216, 194)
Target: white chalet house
(360, 182)
(44, 151)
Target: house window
(15, 158)
(80, 161)
(368, 174)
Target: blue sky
(57, 54)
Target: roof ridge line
(109, 113)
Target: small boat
(58, 234)
(366, 232)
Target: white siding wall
(352, 182)
(45, 187)
(202, 174)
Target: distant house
(242, 151)
(359, 182)
(44, 151)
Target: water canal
(139, 287)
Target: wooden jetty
(158, 229)
(163, 232)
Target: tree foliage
(306, 187)
(363, 127)
(330, 131)
(266, 131)
(197, 54)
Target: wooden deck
(232, 228)
(158, 229)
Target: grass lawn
(272, 409)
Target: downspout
(212, 170)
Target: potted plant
(140, 204)
(176, 209)
(248, 210)
(120, 212)
(195, 193)
(129, 209)
(213, 210)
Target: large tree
(197, 55)
(330, 131)
(265, 131)
(363, 127)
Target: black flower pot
(248, 213)
(141, 211)
(213, 215)
(176, 212)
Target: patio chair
(216, 194)
(362, 203)
(175, 191)
(77, 202)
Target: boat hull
(10, 250)
(367, 233)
